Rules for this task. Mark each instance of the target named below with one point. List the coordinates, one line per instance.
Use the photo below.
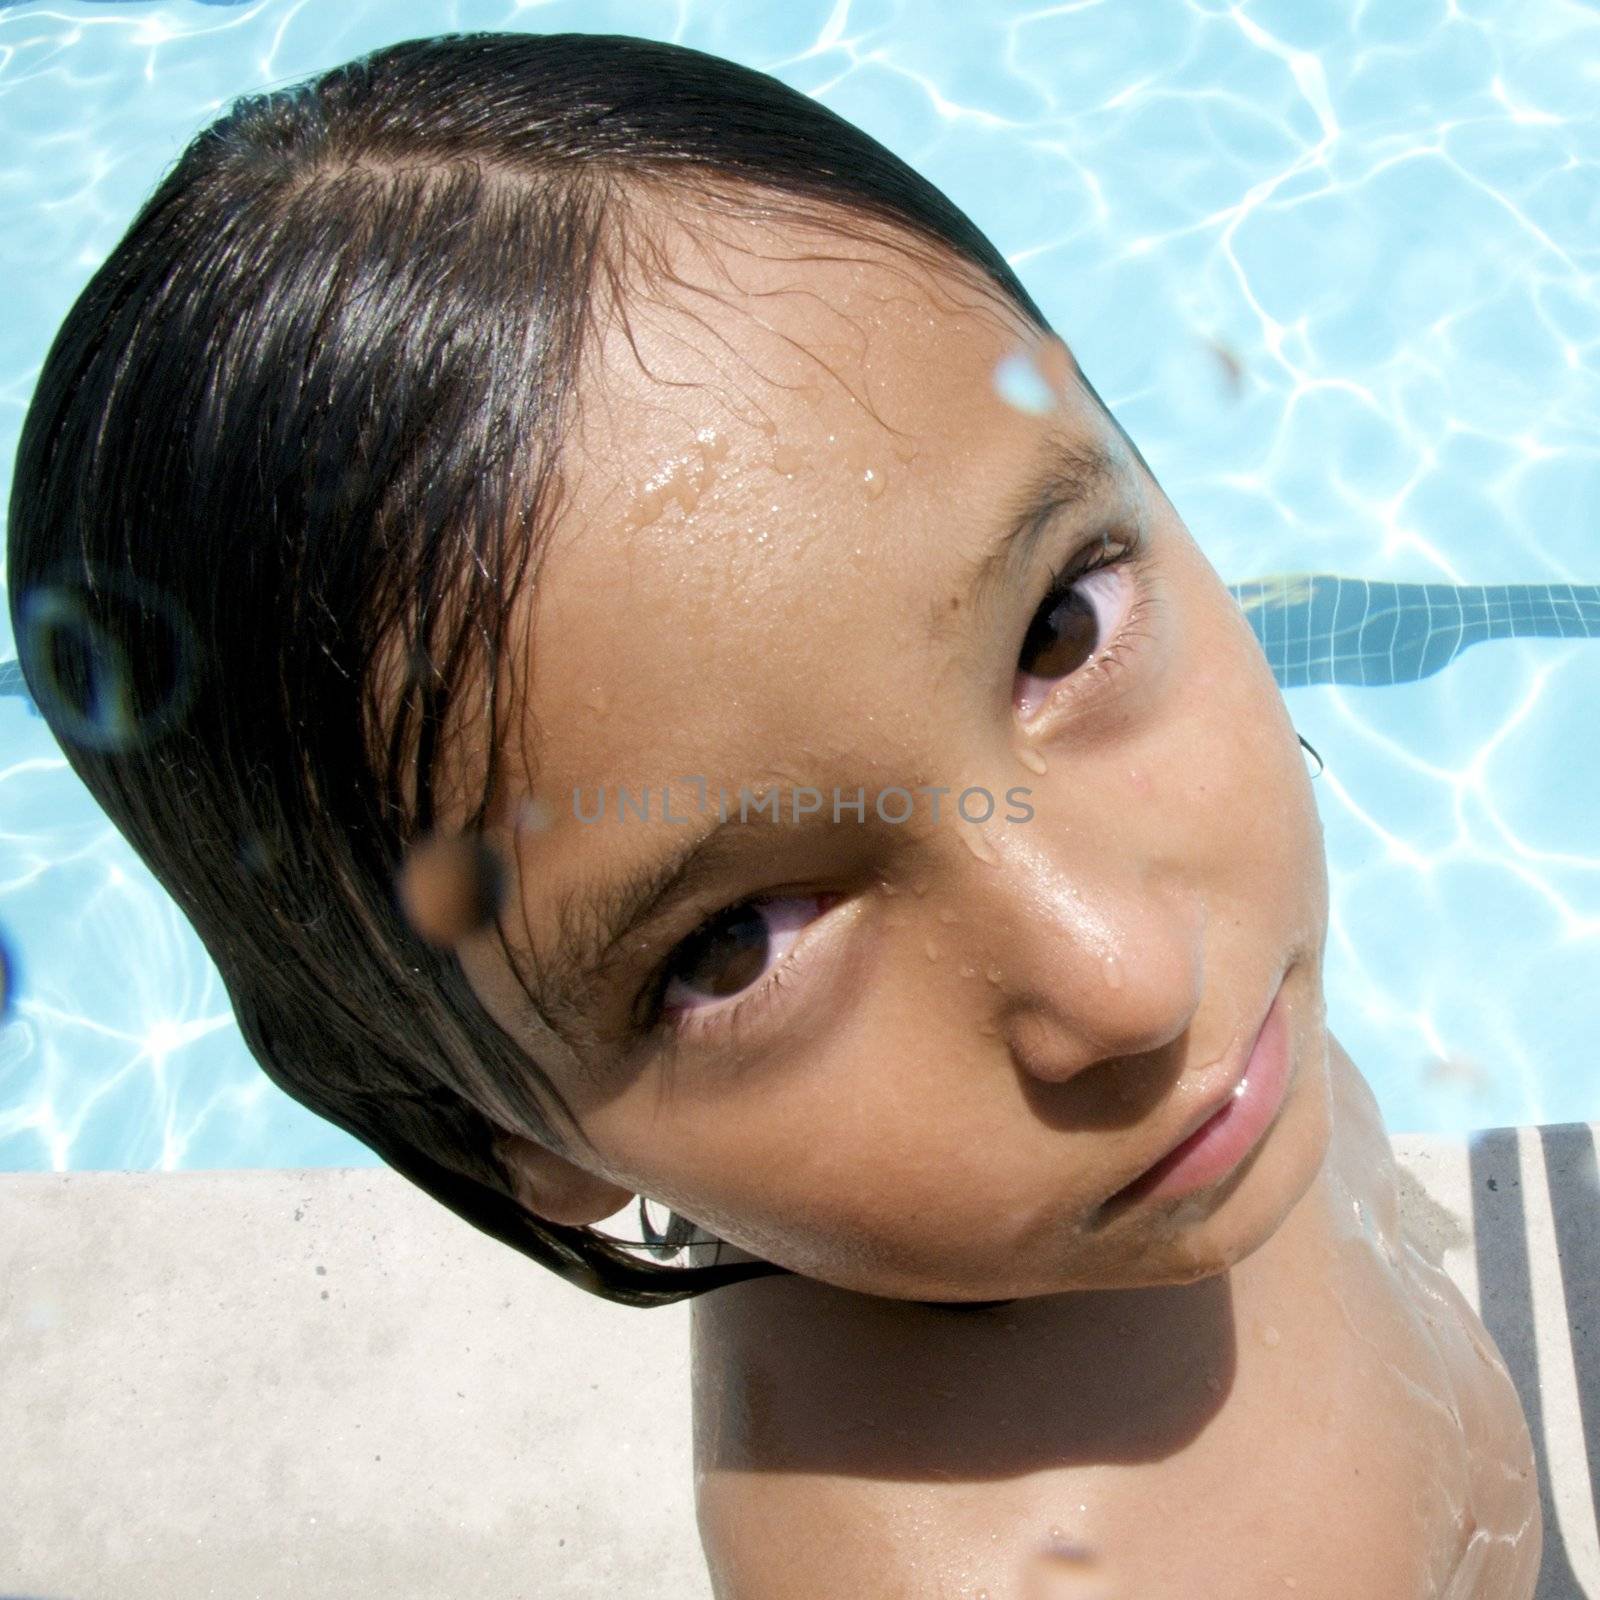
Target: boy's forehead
(769, 475)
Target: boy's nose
(1087, 963)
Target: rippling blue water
(1336, 266)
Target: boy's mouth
(1219, 1137)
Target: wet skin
(789, 463)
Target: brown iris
(1061, 636)
(727, 955)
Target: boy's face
(908, 1057)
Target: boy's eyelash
(1095, 556)
(1099, 554)
(653, 1018)
(1129, 549)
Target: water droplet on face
(891, 888)
(1032, 760)
(872, 483)
(1111, 966)
(787, 459)
(713, 446)
(1213, 1383)
(931, 950)
(993, 975)
(597, 702)
(1139, 780)
(979, 846)
(969, 972)
(1269, 1336)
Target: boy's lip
(1119, 1199)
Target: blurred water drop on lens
(1018, 381)
(1230, 369)
(1065, 1569)
(451, 886)
(1455, 1071)
(112, 660)
(535, 815)
(254, 854)
(1199, 383)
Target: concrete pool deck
(257, 1385)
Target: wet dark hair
(305, 421)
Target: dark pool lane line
(1318, 628)
(1505, 1291)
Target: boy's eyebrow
(1072, 475)
(593, 920)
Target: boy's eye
(734, 949)
(1061, 637)
(1078, 624)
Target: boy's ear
(551, 1187)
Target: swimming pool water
(1335, 266)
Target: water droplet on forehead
(1111, 966)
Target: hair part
(291, 457)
